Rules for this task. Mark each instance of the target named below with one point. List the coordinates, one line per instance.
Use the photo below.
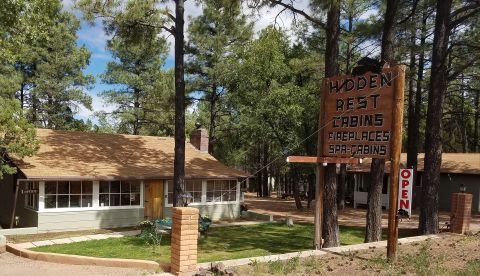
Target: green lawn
(222, 243)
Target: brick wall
(199, 139)
(461, 212)
(184, 240)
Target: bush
(148, 233)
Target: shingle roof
(72, 154)
(466, 163)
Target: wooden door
(154, 199)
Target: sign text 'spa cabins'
(358, 115)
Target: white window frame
(35, 197)
(120, 194)
(204, 194)
(69, 194)
(95, 200)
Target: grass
(222, 243)
(422, 262)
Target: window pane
(210, 185)
(218, 196)
(232, 196)
(135, 187)
(62, 201)
(135, 199)
(63, 188)
(87, 201)
(125, 200)
(218, 185)
(75, 201)
(198, 186)
(75, 187)
(226, 185)
(125, 187)
(170, 185)
(50, 201)
(197, 197)
(209, 196)
(104, 200)
(115, 187)
(170, 198)
(115, 200)
(233, 185)
(189, 186)
(50, 188)
(87, 187)
(104, 187)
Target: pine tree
(139, 93)
(214, 37)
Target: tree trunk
(378, 165)
(330, 226)
(179, 161)
(411, 144)
(433, 140)
(342, 185)
(211, 130)
(296, 194)
(373, 231)
(265, 188)
(330, 219)
(475, 147)
(136, 105)
(414, 121)
(311, 189)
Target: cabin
(458, 169)
(86, 180)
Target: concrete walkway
(28, 245)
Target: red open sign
(405, 190)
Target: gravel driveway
(11, 265)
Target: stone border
(83, 260)
(308, 253)
(264, 259)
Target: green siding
(215, 212)
(88, 219)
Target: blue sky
(94, 38)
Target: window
(119, 193)
(194, 187)
(221, 190)
(31, 195)
(68, 194)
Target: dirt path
(11, 265)
(280, 208)
(449, 255)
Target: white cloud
(98, 104)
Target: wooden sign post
(361, 117)
(396, 150)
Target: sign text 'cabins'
(358, 115)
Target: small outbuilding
(85, 180)
(458, 169)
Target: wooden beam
(319, 160)
(396, 148)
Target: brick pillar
(184, 240)
(461, 212)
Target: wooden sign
(358, 115)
